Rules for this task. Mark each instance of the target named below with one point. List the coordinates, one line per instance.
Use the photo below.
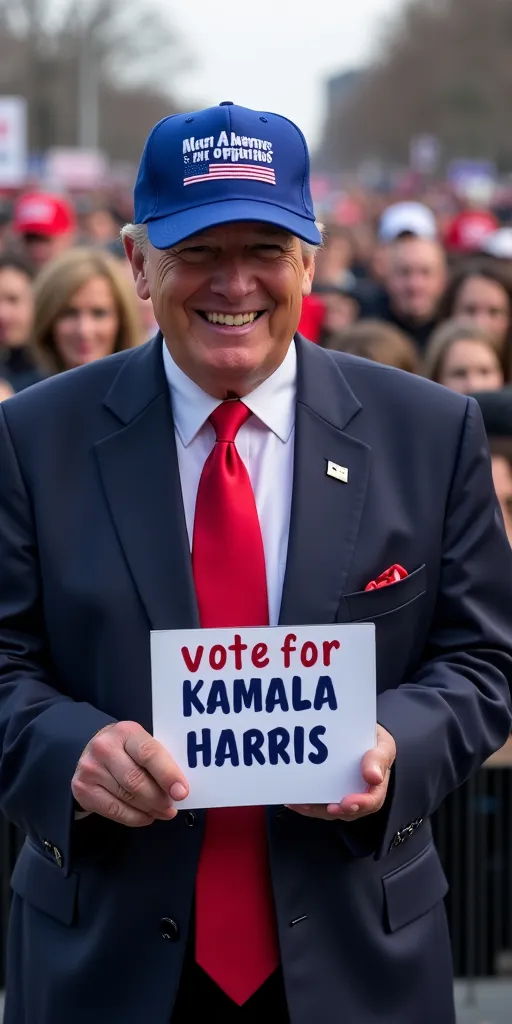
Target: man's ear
(137, 262)
(308, 275)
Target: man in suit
(185, 483)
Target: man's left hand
(376, 766)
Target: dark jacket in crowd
(379, 308)
(19, 370)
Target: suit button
(190, 819)
(169, 929)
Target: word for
(192, 144)
(218, 655)
(250, 695)
(256, 748)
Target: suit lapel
(139, 471)
(326, 512)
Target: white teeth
(229, 320)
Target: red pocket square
(392, 575)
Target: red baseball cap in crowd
(468, 230)
(41, 213)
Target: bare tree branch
(132, 46)
(444, 68)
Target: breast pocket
(397, 611)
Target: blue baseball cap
(220, 165)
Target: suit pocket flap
(367, 604)
(42, 884)
(414, 888)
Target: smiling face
(228, 302)
(87, 328)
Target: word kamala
(256, 745)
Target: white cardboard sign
(13, 141)
(274, 715)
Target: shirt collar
(273, 401)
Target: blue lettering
(247, 695)
(227, 749)
(298, 744)
(321, 749)
(276, 695)
(298, 703)
(325, 694)
(190, 699)
(278, 740)
(217, 698)
(253, 741)
(194, 748)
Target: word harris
(256, 746)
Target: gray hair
(139, 236)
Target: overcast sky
(274, 54)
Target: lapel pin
(337, 472)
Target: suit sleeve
(455, 711)
(42, 731)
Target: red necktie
(236, 939)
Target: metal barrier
(473, 833)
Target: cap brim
(168, 231)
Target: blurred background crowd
(412, 180)
(423, 283)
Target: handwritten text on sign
(265, 716)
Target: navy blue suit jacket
(94, 553)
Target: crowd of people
(138, 495)
(429, 302)
(403, 289)
(66, 290)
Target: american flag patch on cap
(206, 171)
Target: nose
(85, 327)
(234, 280)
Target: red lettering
(259, 656)
(309, 654)
(237, 646)
(218, 656)
(328, 646)
(287, 648)
(192, 663)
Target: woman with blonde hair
(465, 358)
(380, 342)
(85, 309)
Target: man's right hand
(128, 776)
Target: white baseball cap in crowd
(498, 244)
(407, 218)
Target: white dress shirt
(264, 443)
